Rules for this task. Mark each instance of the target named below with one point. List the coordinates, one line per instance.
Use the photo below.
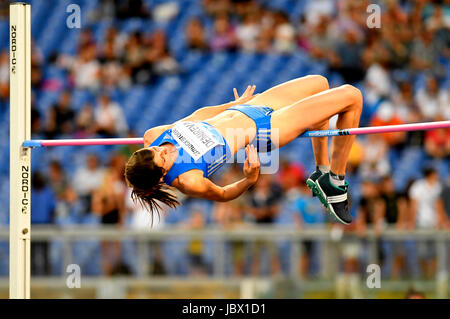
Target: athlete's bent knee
(354, 94)
(321, 81)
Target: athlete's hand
(251, 165)
(246, 96)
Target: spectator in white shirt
(87, 179)
(433, 101)
(109, 118)
(316, 8)
(427, 212)
(425, 197)
(284, 41)
(378, 82)
(247, 33)
(85, 68)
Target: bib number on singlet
(194, 138)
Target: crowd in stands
(401, 68)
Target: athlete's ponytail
(144, 177)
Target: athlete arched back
(186, 153)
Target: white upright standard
(19, 175)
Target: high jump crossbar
(350, 131)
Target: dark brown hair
(144, 177)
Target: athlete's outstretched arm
(198, 186)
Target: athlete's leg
(291, 92)
(314, 111)
(346, 101)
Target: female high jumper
(186, 153)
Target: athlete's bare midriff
(236, 127)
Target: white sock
(337, 180)
(323, 168)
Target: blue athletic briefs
(261, 116)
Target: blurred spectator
(247, 33)
(405, 103)
(394, 215)
(369, 216)
(223, 38)
(85, 38)
(264, 198)
(424, 53)
(159, 56)
(57, 179)
(197, 264)
(109, 118)
(348, 59)
(43, 201)
(284, 37)
(85, 68)
(356, 156)
(37, 63)
(108, 199)
(378, 82)
(438, 19)
(395, 205)
(446, 197)
(309, 213)
(427, 213)
(61, 117)
(43, 208)
(263, 206)
(426, 206)
(217, 7)
(437, 142)
(407, 110)
(114, 44)
(266, 32)
(112, 73)
(432, 101)
(371, 207)
(87, 179)
(131, 9)
(85, 122)
(375, 162)
(4, 9)
(316, 10)
(133, 57)
(320, 40)
(108, 202)
(69, 208)
(4, 75)
(36, 121)
(230, 215)
(290, 175)
(386, 115)
(106, 10)
(195, 35)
